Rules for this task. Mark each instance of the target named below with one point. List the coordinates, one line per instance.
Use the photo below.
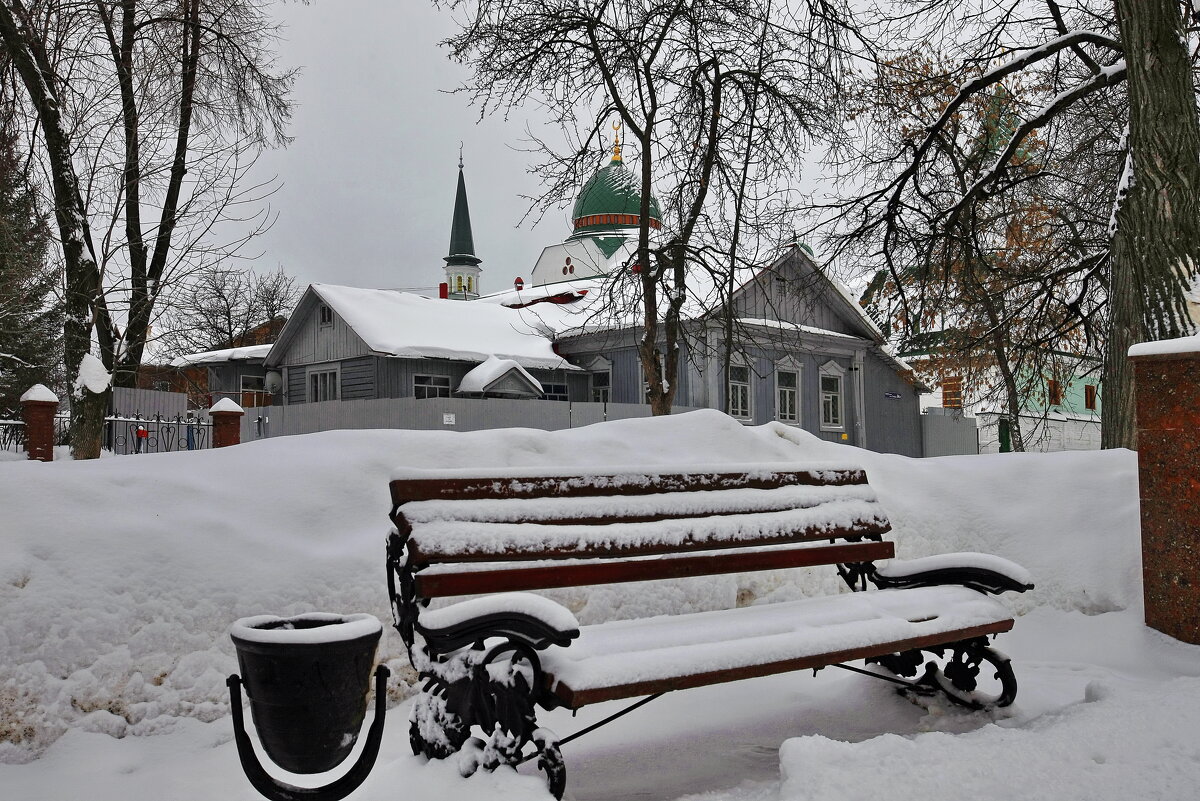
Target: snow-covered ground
(119, 580)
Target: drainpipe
(860, 411)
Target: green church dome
(610, 200)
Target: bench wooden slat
(436, 585)
(423, 553)
(574, 700)
(472, 488)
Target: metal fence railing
(12, 433)
(157, 434)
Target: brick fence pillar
(38, 406)
(1167, 381)
(227, 423)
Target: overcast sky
(367, 187)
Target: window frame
(565, 395)
(325, 315)
(312, 383)
(952, 398)
(835, 371)
(796, 370)
(748, 413)
(1090, 396)
(606, 389)
(1054, 392)
(434, 383)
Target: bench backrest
(469, 534)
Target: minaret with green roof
(462, 265)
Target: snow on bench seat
(625, 507)
(628, 658)
(446, 539)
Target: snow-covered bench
(490, 661)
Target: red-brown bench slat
(436, 585)
(574, 700)
(423, 553)
(404, 490)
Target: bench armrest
(977, 571)
(532, 619)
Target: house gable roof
(394, 323)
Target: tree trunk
(1156, 250)
(83, 290)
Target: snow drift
(120, 578)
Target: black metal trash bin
(307, 678)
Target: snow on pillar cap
(1167, 347)
(226, 405)
(40, 393)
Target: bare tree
(1069, 60)
(718, 100)
(223, 307)
(149, 113)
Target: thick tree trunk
(1156, 250)
(83, 291)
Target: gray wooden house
(803, 352)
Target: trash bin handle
(276, 790)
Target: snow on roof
(246, 354)
(480, 378)
(1165, 347)
(402, 324)
(784, 326)
(612, 302)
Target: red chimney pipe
(518, 284)
(443, 290)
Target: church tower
(462, 265)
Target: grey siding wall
(315, 343)
(226, 379)
(358, 378)
(796, 293)
(295, 387)
(396, 375)
(893, 425)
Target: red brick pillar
(227, 423)
(38, 406)
(1167, 381)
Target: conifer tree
(30, 312)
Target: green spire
(462, 245)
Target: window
(1053, 392)
(1089, 397)
(555, 392)
(322, 385)
(431, 386)
(601, 387)
(470, 284)
(326, 314)
(831, 401)
(459, 284)
(952, 392)
(253, 391)
(787, 386)
(739, 391)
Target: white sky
(368, 184)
